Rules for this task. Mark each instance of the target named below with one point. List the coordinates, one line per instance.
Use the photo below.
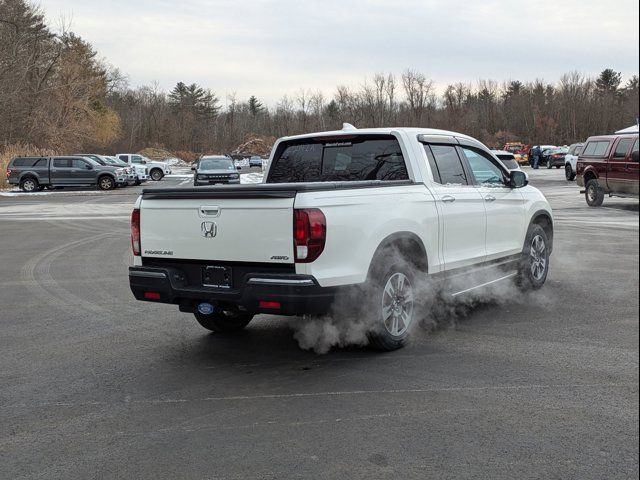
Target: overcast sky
(269, 48)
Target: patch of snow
(253, 177)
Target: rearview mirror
(88, 167)
(193, 168)
(238, 167)
(518, 179)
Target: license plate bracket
(217, 276)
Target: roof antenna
(348, 126)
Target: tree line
(56, 93)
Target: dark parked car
(255, 161)
(555, 157)
(608, 165)
(36, 173)
(128, 179)
(213, 169)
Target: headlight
(234, 175)
(120, 171)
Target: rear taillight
(8, 172)
(309, 234)
(135, 231)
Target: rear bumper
(295, 294)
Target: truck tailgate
(212, 229)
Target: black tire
(137, 182)
(156, 174)
(534, 264)
(29, 184)
(594, 194)
(221, 322)
(558, 166)
(392, 316)
(105, 182)
(569, 174)
(549, 165)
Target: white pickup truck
(371, 214)
(156, 170)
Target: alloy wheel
(397, 304)
(538, 257)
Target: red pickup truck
(608, 165)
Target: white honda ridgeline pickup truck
(372, 213)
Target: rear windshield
(596, 148)
(508, 161)
(353, 158)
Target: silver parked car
(213, 169)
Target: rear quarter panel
(359, 220)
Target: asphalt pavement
(96, 385)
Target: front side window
(634, 150)
(446, 165)
(136, 159)
(353, 158)
(622, 148)
(484, 170)
(80, 164)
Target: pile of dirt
(255, 145)
(155, 153)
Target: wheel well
(546, 223)
(405, 245)
(589, 175)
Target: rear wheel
(594, 194)
(29, 184)
(568, 173)
(392, 304)
(549, 165)
(223, 321)
(534, 265)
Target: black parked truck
(36, 173)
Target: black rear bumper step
(296, 294)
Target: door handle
(448, 199)
(489, 198)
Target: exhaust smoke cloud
(355, 314)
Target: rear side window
(29, 162)
(622, 148)
(597, 148)
(446, 165)
(62, 162)
(350, 159)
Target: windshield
(216, 164)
